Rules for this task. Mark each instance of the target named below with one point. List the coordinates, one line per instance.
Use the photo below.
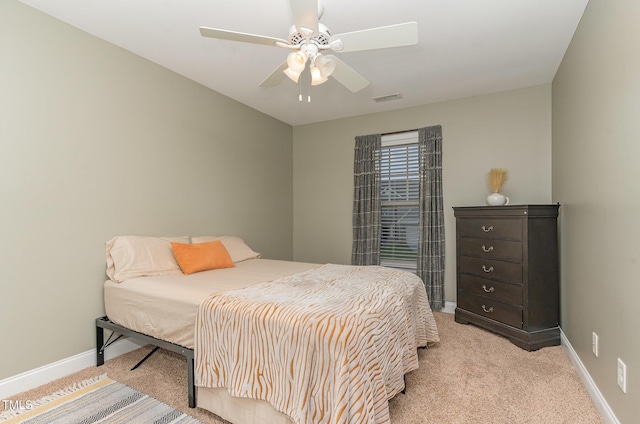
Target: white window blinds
(400, 175)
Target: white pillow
(237, 248)
(141, 256)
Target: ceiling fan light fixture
(325, 65)
(316, 77)
(308, 38)
(293, 75)
(297, 61)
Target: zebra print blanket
(329, 345)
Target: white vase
(497, 199)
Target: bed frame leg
(99, 345)
(191, 382)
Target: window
(400, 180)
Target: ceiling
(465, 47)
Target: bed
(271, 341)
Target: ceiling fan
(309, 40)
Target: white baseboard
(42, 375)
(449, 308)
(600, 402)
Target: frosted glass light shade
(293, 75)
(316, 77)
(325, 65)
(297, 61)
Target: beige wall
(509, 129)
(596, 174)
(97, 142)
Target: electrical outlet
(594, 343)
(622, 375)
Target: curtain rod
(399, 132)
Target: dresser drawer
(501, 292)
(509, 272)
(507, 314)
(510, 229)
(490, 248)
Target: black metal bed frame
(101, 345)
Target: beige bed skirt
(239, 410)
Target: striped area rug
(98, 400)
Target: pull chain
(300, 94)
(308, 88)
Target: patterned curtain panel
(431, 233)
(366, 201)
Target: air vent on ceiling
(388, 97)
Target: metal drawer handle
(486, 230)
(484, 308)
(487, 249)
(488, 290)
(484, 268)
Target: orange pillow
(201, 256)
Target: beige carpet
(471, 376)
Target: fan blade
(305, 16)
(240, 36)
(347, 76)
(276, 76)
(398, 35)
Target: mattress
(165, 306)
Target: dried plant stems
(496, 179)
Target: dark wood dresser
(507, 270)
